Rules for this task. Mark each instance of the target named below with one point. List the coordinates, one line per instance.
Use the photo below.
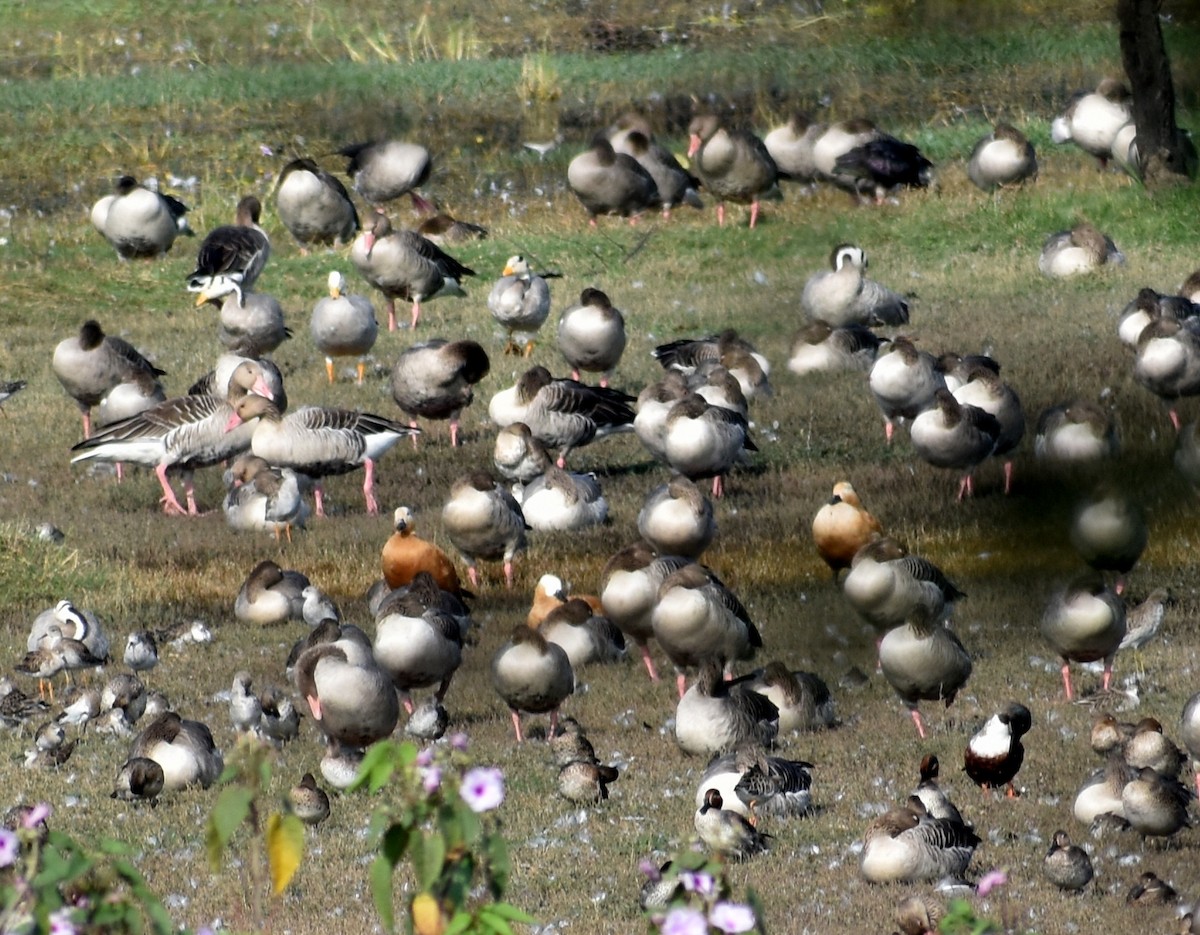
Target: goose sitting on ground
(1084, 622)
(923, 661)
(818, 348)
(608, 182)
(903, 381)
(675, 185)
(261, 497)
(405, 555)
(629, 591)
(533, 675)
(653, 405)
(754, 784)
(791, 146)
(314, 206)
(842, 527)
(842, 295)
(1156, 805)
(802, 698)
(1093, 119)
(591, 335)
(1081, 249)
(343, 325)
(732, 165)
(383, 170)
(956, 436)
(562, 501)
(694, 357)
(232, 257)
(519, 302)
(271, 595)
(906, 845)
(436, 379)
(351, 699)
(677, 519)
(1003, 157)
(1149, 306)
(1077, 432)
(138, 221)
(725, 832)
(184, 749)
(484, 521)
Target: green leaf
(376, 768)
(114, 847)
(755, 904)
(459, 923)
(285, 848)
(381, 891)
(394, 843)
(232, 808)
(498, 865)
(494, 921)
(512, 913)
(428, 857)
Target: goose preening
(319, 442)
(517, 455)
(314, 206)
(1003, 157)
(1108, 530)
(702, 440)
(383, 170)
(1076, 432)
(608, 182)
(907, 845)
(1093, 119)
(994, 753)
(1084, 622)
(418, 647)
(231, 257)
(677, 519)
(1149, 306)
(791, 146)
(436, 379)
(533, 675)
(802, 698)
(732, 165)
(343, 325)
(955, 435)
(270, 595)
(351, 699)
(931, 794)
(519, 302)
(725, 832)
(1155, 805)
(654, 403)
(694, 357)
(843, 296)
(585, 636)
(1066, 865)
(484, 521)
(591, 335)
(903, 381)
(923, 660)
(559, 500)
(629, 591)
(261, 497)
(842, 526)
(675, 185)
(753, 784)
(1081, 249)
(139, 221)
(819, 348)
(404, 265)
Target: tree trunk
(1165, 154)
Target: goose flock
(737, 703)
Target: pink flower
(36, 815)
(458, 741)
(684, 921)
(265, 149)
(698, 882)
(61, 923)
(482, 788)
(732, 917)
(990, 881)
(425, 757)
(9, 848)
(431, 779)
(649, 869)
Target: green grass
(79, 117)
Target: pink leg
(1008, 476)
(369, 488)
(553, 723)
(916, 716)
(666, 214)
(170, 502)
(408, 703)
(416, 313)
(604, 381)
(473, 576)
(120, 472)
(1107, 680)
(680, 683)
(1066, 674)
(189, 490)
(87, 424)
(592, 221)
(889, 429)
(1175, 420)
(1198, 783)
(1119, 585)
(413, 425)
(718, 487)
(391, 307)
(575, 374)
(963, 487)
(319, 499)
(753, 213)
(649, 661)
(561, 462)
(508, 574)
(454, 433)
(721, 214)
(516, 719)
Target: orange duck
(549, 594)
(842, 527)
(405, 555)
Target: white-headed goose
(732, 165)
(405, 555)
(314, 206)
(139, 222)
(435, 380)
(843, 296)
(343, 325)
(231, 257)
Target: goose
(591, 335)
(232, 257)
(383, 170)
(562, 501)
(585, 781)
(436, 379)
(1081, 249)
(484, 521)
(309, 802)
(343, 325)
(696, 618)
(753, 784)
(1150, 890)
(352, 700)
(836, 140)
(318, 442)
(1093, 118)
(1155, 805)
(654, 403)
(585, 637)
(417, 647)
(271, 595)
(1189, 732)
(517, 455)
(994, 753)
(626, 125)
(405, 555)
(1067, 866)
(802, 698)
(519, 301)
(1003, 157)
(314, 206)
(404, 265)
(725, 832)
(954, 435)
(139, 778)
(260, 497)
(1168, 361)
(250, 324)
(533, 675)
(548, 594)
(906, 845)
(791, 146)
(886, 584)
(732, 165)
(424, 589)
(937, 803)
(220, 380)
(183, 748)
(1100, 793)
(608, 182)
(692, 356)
(881, 165)
(1109, 734)
(128, 398)
(1149, 306)
(92, 364)
(677, 519)
(675, 185)
(1108, 531)
(180, 434)
(445, 230)
(1084, 622)
(842, 296)
(73, 623)
(139, 221)
(923, 660)
(564, 414)
(702, 440)
(841, 527)
(428, 721)
(903, 381)
(630, 582)
(1147, 747)
(985, 390)
(1075, 432)
(719, 387)
(820, 348)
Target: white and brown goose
(820, 348)
(183, 748)
(351, 699)
(483, 520)
(675, 185)
(314, 206)
(1078, 432)
(753, 783)
(702, 440)
(903, 381)
(1084, 622)
(906, 845)
(270, 595)
(1109, 532)
(715, 716)
(138, 221)
(343, 325)
(418, 647)
(955, 435)
(560, 500)
(923, 661)
(532, 675)
(608, 182)
(1189, 733)
(232, 257)
(629, 588)
(677, 519)
(517, 455)
(384, 170)
(791, 146)
(436, 379)
(1001, 158)
(985, 390)
(1093, 119)
(803, 698)
(520, 303)
(842, 295)
(591, 335)
(732, 165)
(1168, 361)
(1082, 249)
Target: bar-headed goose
(843, 296)
(232, 257)
(519, 302)
(343, 325)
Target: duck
(880, 165)
(803, 698)
(18, 709)
(139, 778)
(1149, 747)
(1076, 432)
(585, 781)
(1001, 158)
(183, 748)
(261, 497)
(586, 637)
(675, 185)
(91, 364)
(954, 435)
(841, 527)
(404, 265)
(916, 915)
(445, 230)
(517, 456)
(985, 390)
(182, 434)
(343, 325)
(608, 182)
(384, 170)
(1101, 792)
(519, 301)
(753, 784)
(1067, 866)
(1109, 734)
(903, 380)
(821, 348)
(1151, 890)
(405, 555)
(548, 594)
(791, 146)
(562, 501)
(1108, 530)
(886, 585)
(937, 803)
(1084, 622)
(907, 845)
(696, 618)
(53, 654)
(1082, 249)
(309, 802)
(351, 698)
(1189, 733)
(1168, 361)
(842, 296)
(317, 442)
(653, 405)
(271, 595)
(994, 753)
(630, 581)
(483, 520)
(677, 519)
(436, 379)
(314, 206)
(232, 257)
(139, 221)
(923, 660)
(533, 675)
(318, 607)
(732, 165)
(417, 647)
(725, 832)
(703, 440)
(1093, 118)
(1155, 805)
(591, 335)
